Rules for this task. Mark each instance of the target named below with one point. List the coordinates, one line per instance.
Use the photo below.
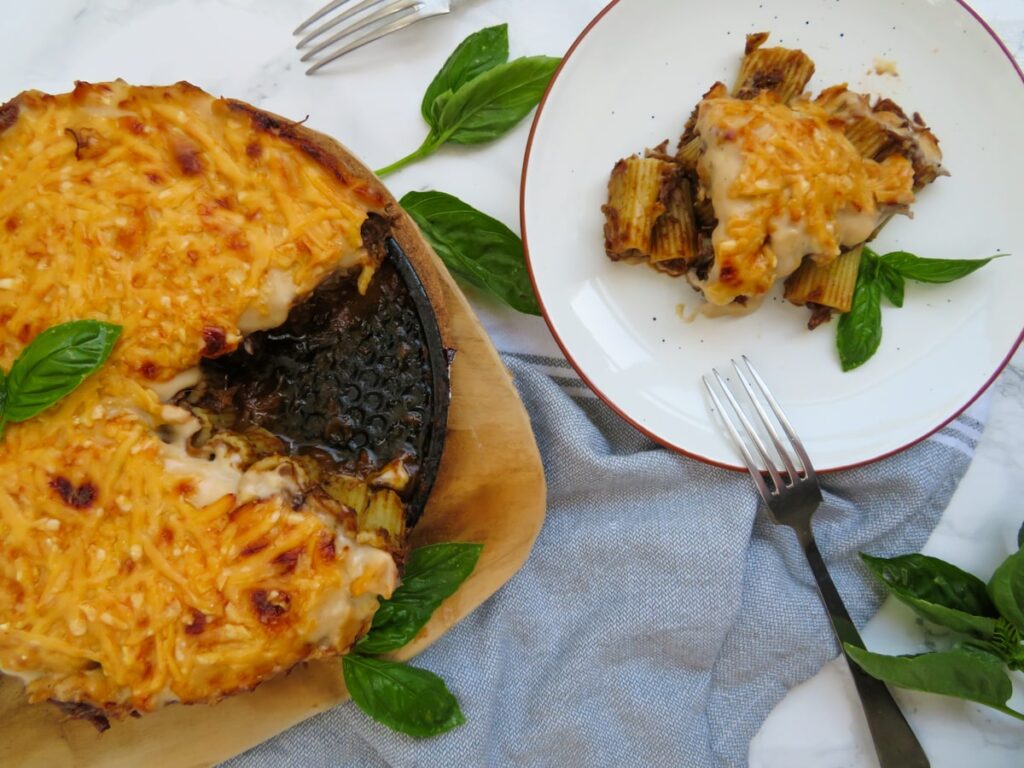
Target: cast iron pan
(355, 380)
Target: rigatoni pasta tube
(633, 207)
(674, 238)
(783, 72)
(829, 285)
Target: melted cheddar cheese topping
(129, 577)
(785, 184)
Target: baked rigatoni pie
(213, 506)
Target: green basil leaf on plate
(937, 591)
(404, 698)
(1020, 537)
(493, 103)
(892, 283)
(475, 55)
(55, 363)
(475, 247)
(974, 676)
(432, 574)
(1006, 588)
(859, 331)
(932, 270)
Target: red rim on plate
(582, 374)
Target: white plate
(631, 80)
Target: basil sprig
(52, 366)
(475, 247)
(475, 55)
(478, 95)
(1007, 589)
(402, 697)
(991, 616)
(859, 331)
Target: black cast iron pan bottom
(354, 380)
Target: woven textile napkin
(660, 615)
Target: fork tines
(360, 22)
(756, 395)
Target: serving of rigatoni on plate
(768, 184)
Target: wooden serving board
(490, 489)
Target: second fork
(792, 494)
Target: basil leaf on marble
(475, 247)
(478, 95)
(1006, 588)
(937, 591)
(432, 574)
(402, 697)
(475, 55)
(54, 364)
(493, 103)
(974, 676)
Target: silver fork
(372, 18)
(792, 496)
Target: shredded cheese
(785, 184)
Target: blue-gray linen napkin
(660, 616)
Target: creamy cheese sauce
(277, 292)
(333, 617)
(784, 185)
(165, 390)
(214, 475)
(284, 479)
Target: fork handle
(895, 742)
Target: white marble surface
(242, 48)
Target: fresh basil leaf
(404, 698)
(475, 247)
(492, 103)
(1006, 588)
(973, 676)
(438, 106)
(1020, 537)
(984, 648)
(892, 283)
(937, 591)
(933, 270)
(55, 363)
(859, 331)
(432, 574)
(475, 55)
